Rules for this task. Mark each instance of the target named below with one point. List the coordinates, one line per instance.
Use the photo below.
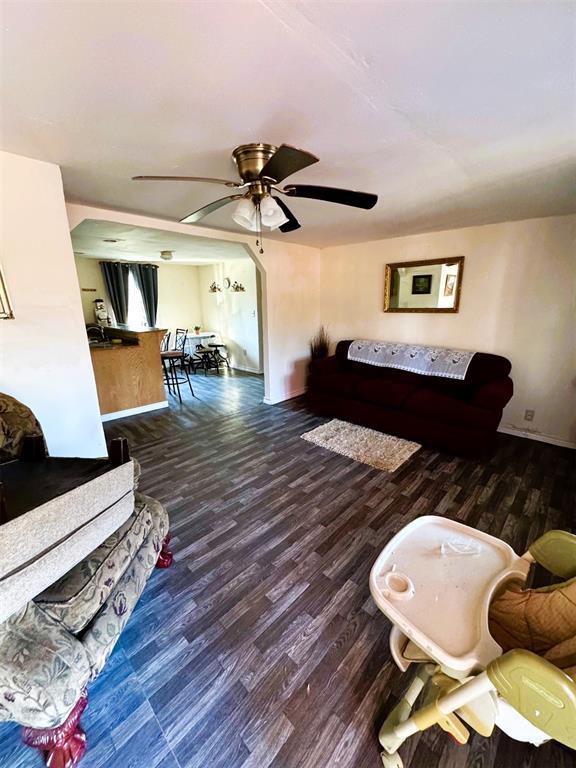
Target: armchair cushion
(43, 669)
(16, 422)
(75, 599)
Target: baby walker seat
(435, 580)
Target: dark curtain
(116, 279)
(146, 276)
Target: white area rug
(362, 444)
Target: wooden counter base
(128, 377)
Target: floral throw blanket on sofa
(417, 358)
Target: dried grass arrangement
(320, 344)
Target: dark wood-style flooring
(261, 646)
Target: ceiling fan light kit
(261, 168)
(272, 215)
(252, 215)
(245, 214)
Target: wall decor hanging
(430, 285)
(6, 312)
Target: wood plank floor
(261, 646)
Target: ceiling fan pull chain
(259, 224)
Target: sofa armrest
(324, 366)
(493, 395)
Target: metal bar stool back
(170, 359)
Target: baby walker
(435, 581)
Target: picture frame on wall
(6, 312)
(421, 284)
(449, 285)
(409, 285)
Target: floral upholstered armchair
(55, 637)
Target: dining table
(199, 338)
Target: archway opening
(214, 289)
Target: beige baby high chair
(488, 651)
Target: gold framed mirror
(432, 285)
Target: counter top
(133, 329)
(109, 345)
(130, 379)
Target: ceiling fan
(261, 167)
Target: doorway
(212, 289)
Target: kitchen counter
(129, 374)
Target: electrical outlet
(528, 415)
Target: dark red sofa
(459, 416)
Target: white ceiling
(143, 244)
(455, 113)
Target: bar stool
(203, 358)
(165, 343)
(169, 360)
(218, 356)
(164, 347)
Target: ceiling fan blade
(189, 178)
(292, 222)
(286, 161)
(333, 195)
(210, 208)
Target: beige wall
(233, 315)
(44, 356)
(90, 277)
(518, 300)
(179, 303)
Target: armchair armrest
(324, 366)
(493, 395)
(43, 669)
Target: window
(136, 311)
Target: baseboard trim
(539, 436)
(134, 411)
(245, 369)
(285, 396)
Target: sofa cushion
(76, 597)
(337, 383)
(437, 406)
(389, 392)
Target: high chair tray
(435, 580)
